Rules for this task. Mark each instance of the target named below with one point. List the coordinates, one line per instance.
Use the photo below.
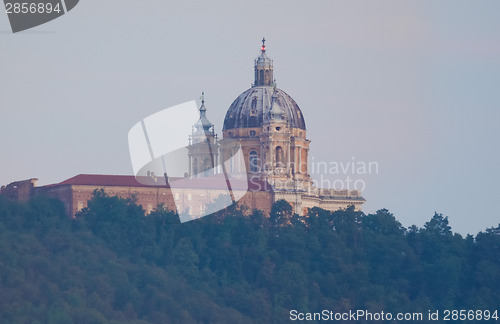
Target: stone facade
(19, 190)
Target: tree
(281, 213)
(438, 226)
(383, 222)
(319, 219)
(347, 223)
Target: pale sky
(411, 85)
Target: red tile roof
(212, 182)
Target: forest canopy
(113, 264)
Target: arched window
(261, 77)
(253, 161)
(206, 166)
(304, 161)
(279, 156)
(265, 157)
(195, 167)
(254, 103)
(253, 133)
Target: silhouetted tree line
(113, 265)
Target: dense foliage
(113, 265)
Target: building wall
(264, 141)
(302, 202)
(64, 193)
(19, 190)
(75, 197)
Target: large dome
(252, 109)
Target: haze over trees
(113, 265)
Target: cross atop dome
(263, 48)
(202, 97)
(203, 109)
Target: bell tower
(284, 150)
(203, 149)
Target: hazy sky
(411, 85)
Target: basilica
(264, 148)
(269, 127)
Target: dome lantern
(263, 68)
(253, 107)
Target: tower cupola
(263, 68)
(203, 121)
